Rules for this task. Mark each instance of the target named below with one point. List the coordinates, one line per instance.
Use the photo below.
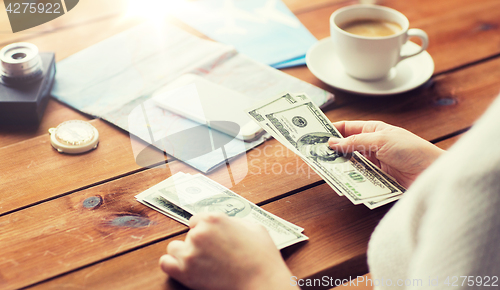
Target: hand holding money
(301, 126)
(397, 151)
(220, 252)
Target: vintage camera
(26, 78)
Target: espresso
(371, 27)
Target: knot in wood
(486, 26)
(92, 202)
(447, 101)
(130, 221)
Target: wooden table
(71, 222)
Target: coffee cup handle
(420, 34)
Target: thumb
(364, 142)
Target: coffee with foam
(371, 27)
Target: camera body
(25, 83)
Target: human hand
(221, 253)
(398, 152)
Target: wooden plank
(338, 232)
(63, 224)
(34, 171)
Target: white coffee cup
(371, 58)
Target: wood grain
(338, 232)
(64, 223)
(78, 212)
(79, 229)
(34, 171)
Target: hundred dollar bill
(386, 179)
(373, 172)
(158, 203)
(152, 198)
(285, 101)
(379, 203)
(200, 194)
(279, 103)
(389, 179)
(306, 128)
(258, 112)
(384, 200)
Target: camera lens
(20, 64)
(19, 55)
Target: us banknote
(181, 196)
(303, 128)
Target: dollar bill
(368, 170)
(152, 198)
(258, 112)
(305, 128)
(200, 194)
(381, 202)
(386, 179)
(279, 103)
(179, 197)
(157, 202)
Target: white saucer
(408, 74)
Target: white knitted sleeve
(445, 233)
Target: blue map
(265, 30)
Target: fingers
(365, 142)
(170, 265)
(206, 217)
(348, 128)
(194, 220)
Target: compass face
(74, 132)
(74, 137)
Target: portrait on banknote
(315, 146)
(229, 205)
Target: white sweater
(448, 223)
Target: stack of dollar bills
(183, 195)
(296, 122)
